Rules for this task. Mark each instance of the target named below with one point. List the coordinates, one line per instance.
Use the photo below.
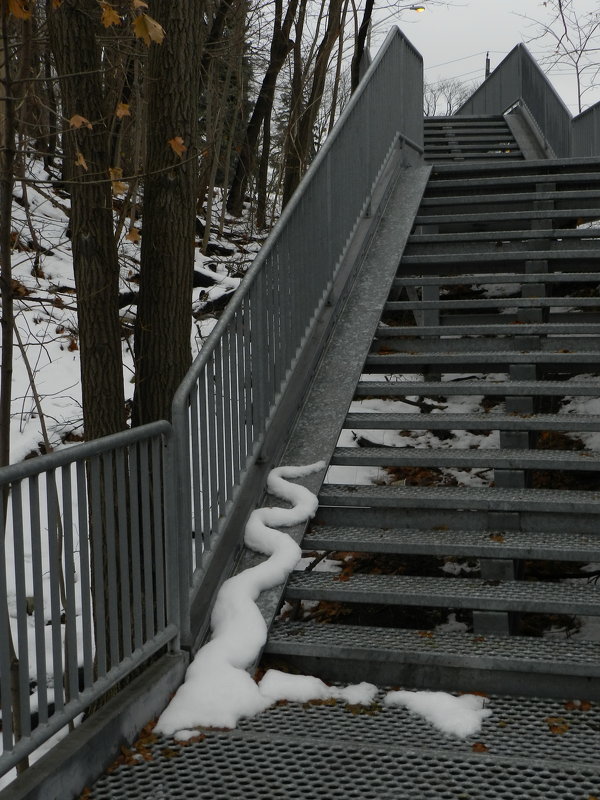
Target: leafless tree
(569, 37)
(444, 97)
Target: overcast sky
(453, 40)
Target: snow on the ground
(46, 308)
(460, 716)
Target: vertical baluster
(55, 544)
(85, 581)
(72, 676)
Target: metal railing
(107, 543)
(223, 408)
(88, 583)
(519, 79)
(586, 132)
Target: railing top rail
(80, 452)
(589, 110)
(189, 381)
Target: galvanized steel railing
(223, 407)
(518, 78)
(586, 132)
(107, 543)
(88, 579)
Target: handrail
(88, 569)
(519, 78)
(222, 410)
(126, 524)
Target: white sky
(463, 31)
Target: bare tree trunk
(262, 178)
(359, 46)
(73, 36)
(162, 333)
(305, 140)
(7, 158)
(280, 48)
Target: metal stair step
(573, 361)
(471, 544)
(576, 331)
(483, 279)
(449, 592)
(469, 145)
(472, 422)
(492, 302)
(477, 257)
(469, 184)
(575, 388)
(580, 212)
(556, 166)
(443, 660)
(499, 247)
(510, 197)
(462, 156)
(481, 458)
(466, 139)
(461, 497)
(480, 346)
(493, 236)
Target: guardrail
(88, 582)
(108, 543)
(518, 78)
(223, 408)
(586, 132)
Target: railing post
(176, 589)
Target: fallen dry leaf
(122, 110)
(77, 121)
(557, 725)
(80, 161)
(177, 145)
(19, 9)
(479, 747)
(118, 187)
(148, 29)
(110, 15)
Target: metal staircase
(488, 335)
(495, 305)
(465, 138)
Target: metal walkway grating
(528, 748)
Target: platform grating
(308, 752)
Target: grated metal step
(461, 497)
(440, 660)
(492, 302)
(474, 422)
(556, 234)
(482, 458)
(451, 201)
(401, 388)
(479, 361)
(580, 213)
(559, 329)
(517, 346)
(444, 542)
(554, 167)
(312, 752)
(473, 257)
(533, 179)
(449, 592)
